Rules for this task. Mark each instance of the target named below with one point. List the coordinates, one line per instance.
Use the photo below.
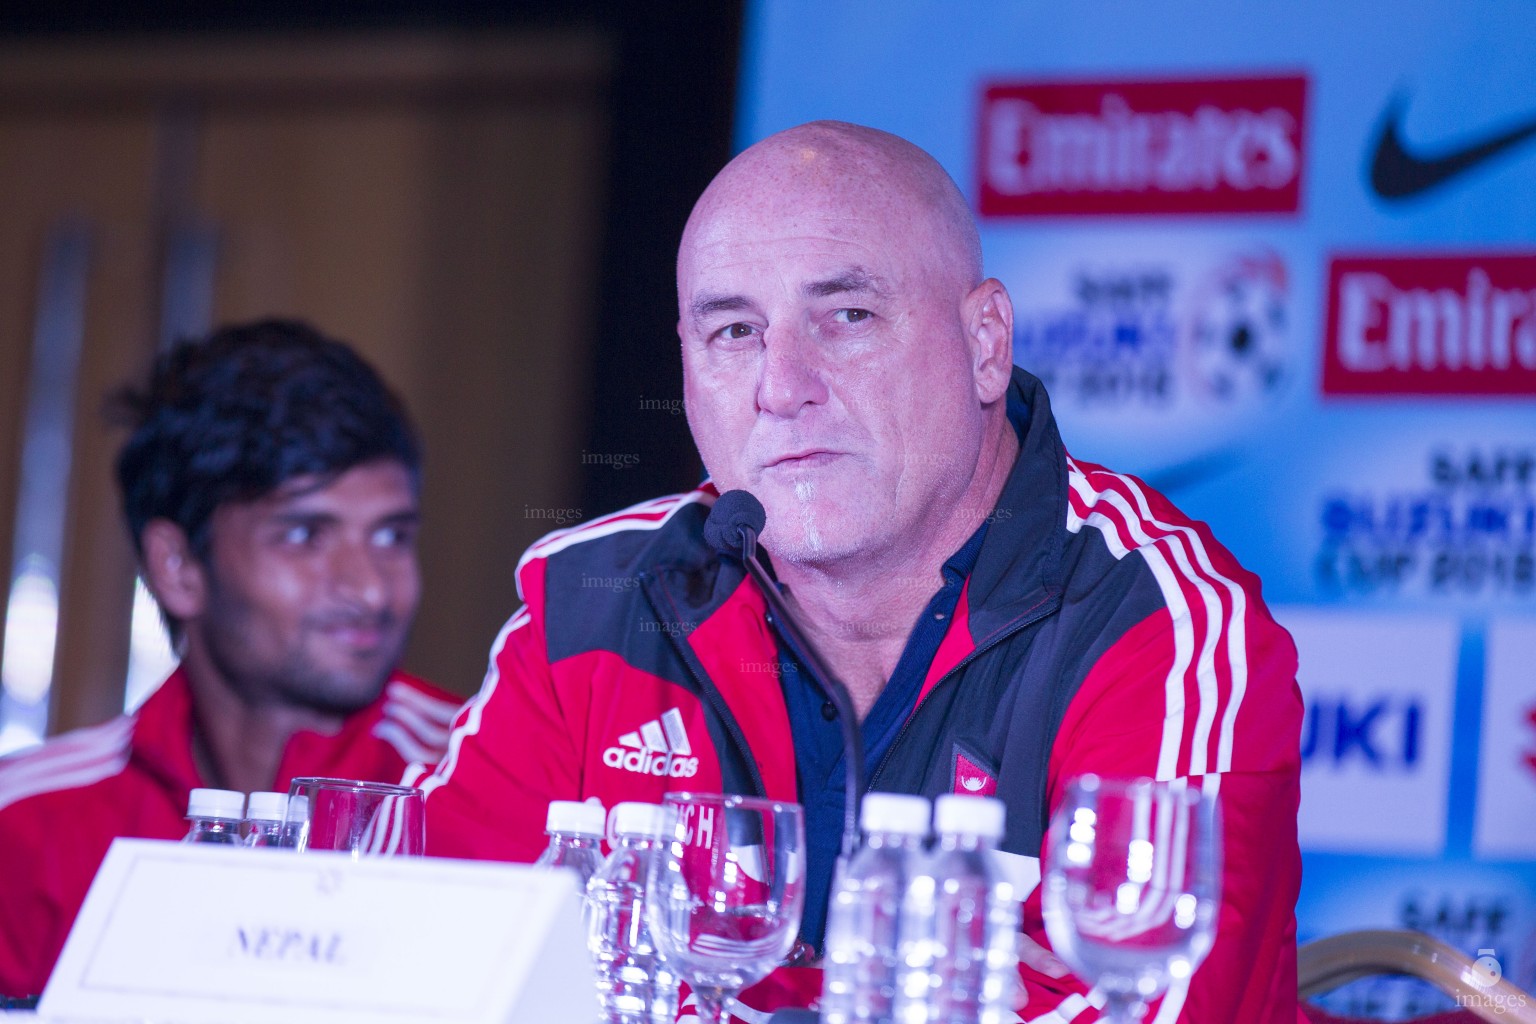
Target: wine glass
(1132, 886)
(726, 890)
(356, 817)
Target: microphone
(734, 523)
(732, 529)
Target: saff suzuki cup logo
(660, 747)
(1238, 328)
(1204, 334)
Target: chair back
(1481, 993)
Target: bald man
(1005, 616)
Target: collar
(162, 733)
(963, 562)
(1017, 572)
(1019, 569)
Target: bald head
(857, 172)
(843, 359)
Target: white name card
(194, 934)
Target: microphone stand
(801, 647)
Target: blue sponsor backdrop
(1334, 363)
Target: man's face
(311, 589)
(827, 370)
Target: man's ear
(171, 571)
(989, 322)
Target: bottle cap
(216, 803)
(633, 818)
(267, 806)
(958, 814)
(902, 813)
(575, 816)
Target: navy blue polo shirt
(819, 739)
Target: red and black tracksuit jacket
(1100, 631)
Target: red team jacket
(63, 803)
(1100, 631)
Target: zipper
(1023, 623)
(707, 689)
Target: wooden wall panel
(321, 214)
(511, 259)
(434, 200)
(96, 166)
(99, 564)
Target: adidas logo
(660, 747)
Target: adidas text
(652, 762)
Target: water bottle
(859, 982)
(264, 814)
(575, 831)
(634, 985)
(215, 816)
(960, 921)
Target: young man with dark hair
(271, 485)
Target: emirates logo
(1048, 148)
(1431, 324)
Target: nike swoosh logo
(1397, 173)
